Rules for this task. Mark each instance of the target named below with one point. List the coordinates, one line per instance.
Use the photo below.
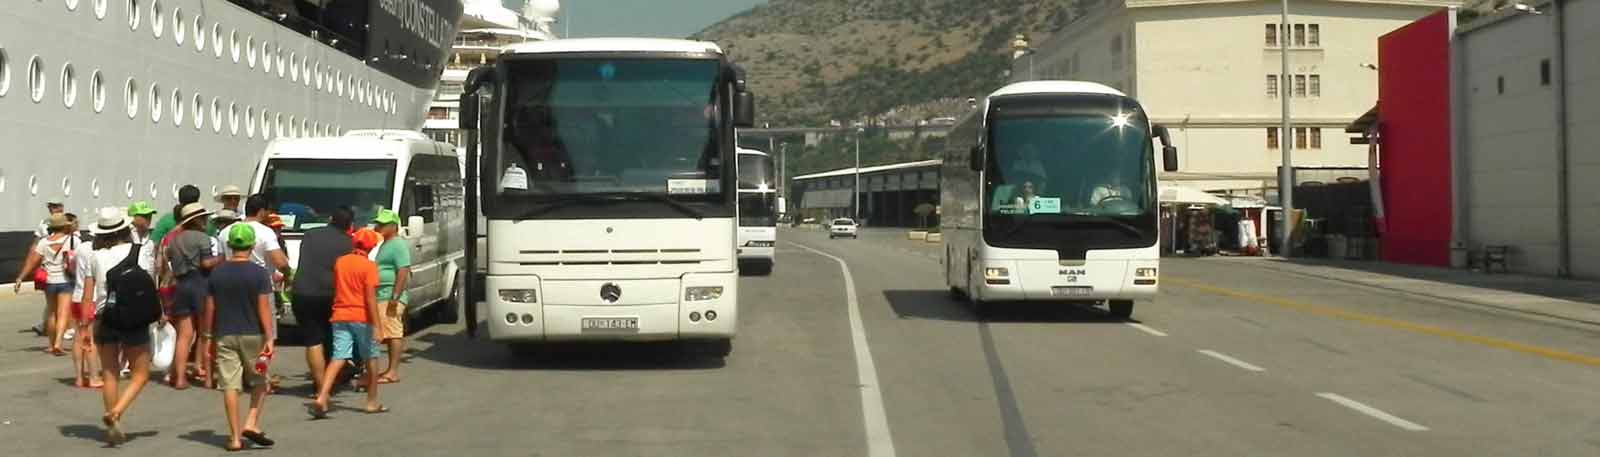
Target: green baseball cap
(141, 208)
(386, 217)
(241, 237)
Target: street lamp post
(855, 197)
(1286, 138)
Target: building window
(1272, 35)
(1272, 86)
(1316, 138)
(1314, 35)
(1300, 138)
(1316, 85)
(1544, 72)
(1299, 34)
(1272, 138)
(1300, 86)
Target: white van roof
(360, 144)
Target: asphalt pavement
(1230, 360)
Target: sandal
(379, 410)
(232, 447)
(388, 380)
(316, 411)
(258, 437)
(114, 435)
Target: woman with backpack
(54, 254)
(126, 293)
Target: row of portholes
(327, 78)
(128, 188)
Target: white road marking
(879, 442)
(1231, 361)
(1374, 412)
(1146, 329)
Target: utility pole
(1286, 137)
(855, 197)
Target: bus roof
(359, 144)
(1056, 87)
(614, 45)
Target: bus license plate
(610, 324)
(1071, 291)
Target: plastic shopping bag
(163, 343)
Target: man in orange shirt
(355, 312)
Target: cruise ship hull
(101, 105)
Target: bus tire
(715, 349)
(1120, 309)
(448, 310)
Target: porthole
(158, 23)
(100, 9)
(216, 115)
(266, 57)
(2, 180)
(155, 102)
(338, 83)
(97, 91)
(233, 118)
(250, 122)
(305, 128)
(127, 188)
(199, 112)
(305, 72)
(213, 190)
(174, 191)
(351, 82)
(180, 30)
(130, 97)
(216, 39)
(294, 72)
(293, 130)
(33, 185)
(72, 5)
(94, 187)
(283, 63)
(199, 33)
(177, 107)
(134, 14)
(319, 76)
(266, 124)
(36, 79)
(233, 44)
(5, 72)
(66, 187)
(277, 121)
(69, 85)
(153, 192)
(250, 51)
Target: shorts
(58, 288)
(392, 320)
(236, 362)
(83, 312)
(312, 315)
(111, 336)
(190, 295)
(352, 341)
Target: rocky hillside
(813, 61)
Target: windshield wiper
(610, 198)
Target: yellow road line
(1321, 310)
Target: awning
(1189, 195)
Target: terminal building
(889, 194)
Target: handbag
(163, 344)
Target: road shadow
(97, 433)
(1573, 290)
(206, 437)
(458, 349)
(939, 305)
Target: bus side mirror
(469, 96)
(1169, 153)
(744, 110)
(975, 158)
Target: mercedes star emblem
(610, 292)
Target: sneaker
(67, 336)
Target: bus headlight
(519, 295)
(702, 293)
(996, 273)
(1144, 272)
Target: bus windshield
(755, 171)
(609, 126)
(308, 190)
(756, 209)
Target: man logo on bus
(610, 292)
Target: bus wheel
(448, 311)
(716, 349)
(1121, 309)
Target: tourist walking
(238, 319)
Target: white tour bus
(609, 193)
(366, 170)
(758, 218)
(1049, 194)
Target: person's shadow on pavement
(207, 437)
(97, 433)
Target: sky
(641, 18)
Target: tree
(923, 211)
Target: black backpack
(132, 291)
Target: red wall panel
(1414, 108)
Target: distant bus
(758, 212)
(1049, 194)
